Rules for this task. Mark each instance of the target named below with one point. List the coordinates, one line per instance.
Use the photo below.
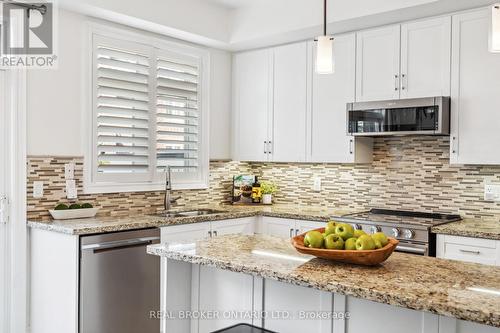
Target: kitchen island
(213, 283)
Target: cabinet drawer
(483, 251)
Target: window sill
(99, 188)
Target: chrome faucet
(168, 190)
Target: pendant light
(324, 50)
(494, 38)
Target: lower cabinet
(478, 250)
(282, 227)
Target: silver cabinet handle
(396, 82)
(291, 233)
(453, 144)
(265, 147)
(403, 80)
(297, 232)
(209, 234)
(469, 251)
(215, 233)
(351, 150)
(270, 147)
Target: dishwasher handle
(115, 245)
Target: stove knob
(395, 232)
(374, 229)
(357, 226)
(408, 233)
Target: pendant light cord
(324, 18)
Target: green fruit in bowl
(75, 206)
(61, 207)
(350, 244)
(344, 230)
(359, 233)
(313, 239)
(87, 205)
(381, 237)
(334, 242)
(330, 228)
(378, 245)
(365, 242)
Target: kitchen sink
(187, 213)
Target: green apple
(344, 230)
(330, 228)
(350, 244)
(358, 233)
(381, 237)
(313, 239)
(378, 245)
(334, 242)
(365, 242)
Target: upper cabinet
(328, 139)
(288, 142)
(377, 62)
(404, 61)
(252, 99)
(425, 58)
(475, 93)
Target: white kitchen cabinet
(426, 58)
(327, 122)
(288, 142)
(475, 97)
(478, 250)
(377, 64)
(296, 301)
(286, 228)
(244, 226)
(252, 104)
(184, 232)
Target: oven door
(412, 248)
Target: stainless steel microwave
(418, 116)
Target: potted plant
(268, 189)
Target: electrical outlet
(317, 184)
(37, 189)
(492, 192)
(69, 171)
(71, 192)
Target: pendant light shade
(324, 55)
(324, 50)
(494, 38)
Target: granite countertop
(451, 288)
(476, 228)
(110, 224)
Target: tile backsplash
(407, 173)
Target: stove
(412, 229)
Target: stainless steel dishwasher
(119, 282)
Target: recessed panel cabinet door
(425, 58)
(290, 103)
(252, 98)
(475, 95)
(377, 64)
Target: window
(149, 112)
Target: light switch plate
(37, 189)
(317, 184)
(69, 171)
(71, 192)
(492, 192)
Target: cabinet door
(377, 64)
(225, 294)
(252, 98)
(185, 232)
(290, 103)
(296, 304)
(426, 58)
(475, 95)
(482, 251)
(305, 226)
(245, 226)
(278, 227)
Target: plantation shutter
(177, 114)
(122, 110)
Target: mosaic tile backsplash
(407, 173)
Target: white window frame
(153, 181)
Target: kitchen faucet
(168, 190)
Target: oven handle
(412, 249)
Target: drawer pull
(470, 251)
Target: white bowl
(68, 214)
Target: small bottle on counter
(256, 191)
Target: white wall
(56, 98)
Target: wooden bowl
(365, 257)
